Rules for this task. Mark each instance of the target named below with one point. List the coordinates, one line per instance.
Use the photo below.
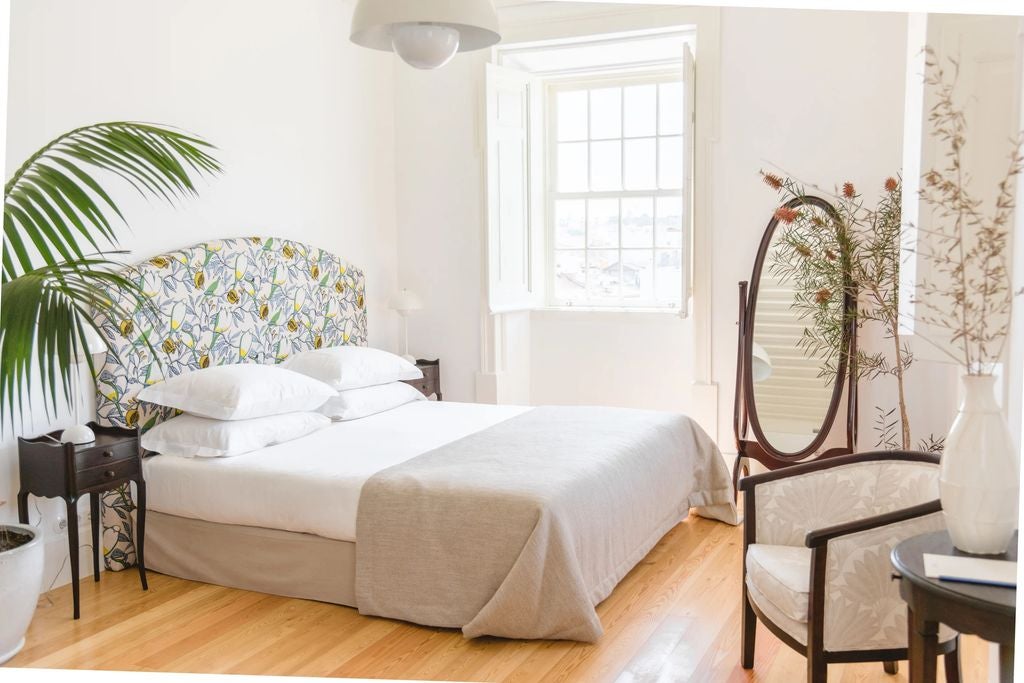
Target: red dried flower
(891, 184)
(830, 255)
(804, 250)
(786, 214)
(848, 190)
(771, 180)
(822, 296)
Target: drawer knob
(108, 454)
(109, 474)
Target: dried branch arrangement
(967, 292)
(853, 251)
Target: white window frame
(554, 85)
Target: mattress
(311, 485)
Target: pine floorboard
(675, 617)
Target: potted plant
(55, 276)
(967, 295)
(21, 578)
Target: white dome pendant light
(426, 34)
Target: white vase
(21, 578)
(979, 480)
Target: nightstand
(431, 382)
(53, 469)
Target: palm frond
(54, 209)
(56, 215)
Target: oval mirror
(796, 337)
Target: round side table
(986, 611)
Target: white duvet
(311, 485)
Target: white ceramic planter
(21, 578)
(979, 480)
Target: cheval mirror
(790, 388)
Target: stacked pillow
(235, 409)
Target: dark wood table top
(908, 559)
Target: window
(614, 199)
(589, 150)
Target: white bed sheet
(311, 485)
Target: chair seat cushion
(782, 574)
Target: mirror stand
(797, 420)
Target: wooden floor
(675, 617)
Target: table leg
(72, 504)
(1006, 663)
(94, 514)
(23, 507)
(922, 648)
(140, 536)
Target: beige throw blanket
(521, 529)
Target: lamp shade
(405, 301)
(422, 31)
(92, 343)
(761, 363)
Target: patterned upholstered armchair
(816, 545)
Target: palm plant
(55, 276)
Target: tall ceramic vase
(979, 479)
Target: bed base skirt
(271, 561)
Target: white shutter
(688, 128)
(510, 278)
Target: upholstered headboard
(242, 300)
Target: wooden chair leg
(749, 631)
(951, 661)
(891, 668)
(817, 668)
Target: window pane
(606, 165)
(640, 164)
(605, 113)
(668, 274)
(670, 163)
(570, 219)
(669, 222)
(603, 274)
(637, 274)
(572, 115)
(572, 167)
(640, 110)
(570, 275)
(670, 108)
(638, 222)
(603, 223)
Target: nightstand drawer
(117, 470)
(105, 455)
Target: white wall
(819, 93)
(303, 119)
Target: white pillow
(352, 367)
(239, 392)
(189, 436)
(353, 404)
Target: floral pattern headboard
(242, 300)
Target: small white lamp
(92, 344)
(403, 303)
(761, 363)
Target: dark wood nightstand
(431, 382)
(53, 469)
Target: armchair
(816, 544)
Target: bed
(511, 521)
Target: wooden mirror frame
(745, 408)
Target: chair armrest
(751, 482)
(820, 537)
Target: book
(977, 570)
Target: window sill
(606, 313)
